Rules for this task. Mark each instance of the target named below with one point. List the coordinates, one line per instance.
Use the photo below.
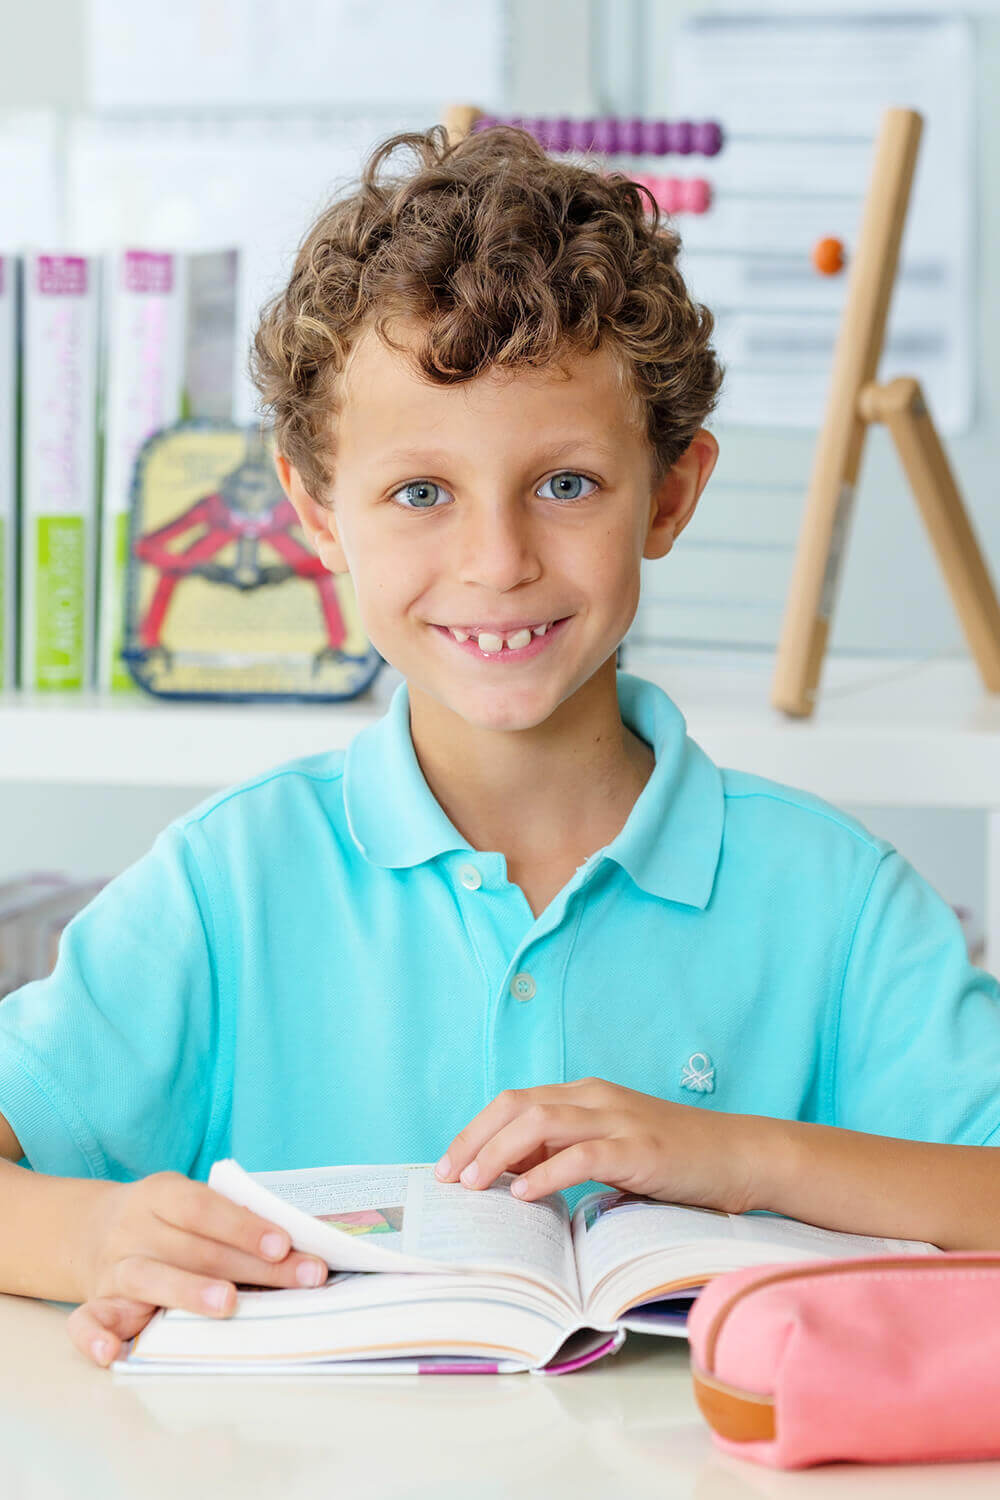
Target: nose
(496, 547)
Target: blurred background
(228, 123)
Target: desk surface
(628, 1425)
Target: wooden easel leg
(900, 405)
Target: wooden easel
(854, 402)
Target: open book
(468, 1281)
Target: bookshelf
(889, 732)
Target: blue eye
(421, 493)
(571, 477)
(417, 491)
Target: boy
(523, 917)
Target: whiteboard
(800, 98)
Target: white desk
(626, 1426)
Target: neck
(563, 787)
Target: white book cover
(144, 363)
(59, 469)
(9, 274)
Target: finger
(196, 1207)
(207, 1257)
(99, 1327)
(599, 1160)
(541, 1128)
(505, 1107)
(141, 1278)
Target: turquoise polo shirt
(316, 967)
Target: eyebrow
(550, 450)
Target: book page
(391, 1218)
(491, 1228)
(611, 1229)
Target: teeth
(491, 644)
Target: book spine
(210, 353)
(59, 469)
(145, 362)
(9, 324)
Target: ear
(673, 502)
(317, 521)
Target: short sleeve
(106, 1065)
(918, 1049)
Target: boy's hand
(167, 1241)
(565, 1133)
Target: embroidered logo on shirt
(698, 1073)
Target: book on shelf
(169, 342)
(144, 371)
(433, 1277)
(59, 499)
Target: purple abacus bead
(561, 135)
(606, 135)
(483, 122)
(517, 121)
(655, 137)
(581, 134)
(682, 141)
(630, 136)
(708, 138)
(697, 195)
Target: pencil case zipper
(747, 1416)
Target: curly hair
(508, 258)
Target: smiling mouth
(511, 643)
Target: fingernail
(443, 1167)
(519, 1187)
(215, 1295)
(310, 1273)
(471, 1173)
(100, 1349)
(273, 1245)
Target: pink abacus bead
(669, 194)
(697, 195)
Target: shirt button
(522, 986)
(470, 877)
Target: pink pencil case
(886, 1359)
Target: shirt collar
(670, 843)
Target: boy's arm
(565, 1133)
(879, 1185)
(42, 1258)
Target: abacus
(854, 400)
(610, 136)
